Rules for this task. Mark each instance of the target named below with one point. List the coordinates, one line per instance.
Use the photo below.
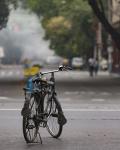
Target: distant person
(96, 66)
(91, 66)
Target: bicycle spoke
(29, 128)
(31, 105)
(29, 133)
(52, 124)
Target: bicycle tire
(52, 106)
(29, 127)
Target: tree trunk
(108, 27)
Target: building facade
(115, 9)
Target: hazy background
(23, 37)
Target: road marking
(98, 100)
(10, 109)
(87, 110)
(105, 93)
(4, 98)
(10, 73)
(70, 110)
(2, 73)
(70, 92)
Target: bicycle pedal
(30, 127)
(42, 115)
(43, 120)
(40, 138)
(54, 115)
(45, 124)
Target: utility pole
(109, 47)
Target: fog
(23, 37)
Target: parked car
(54, 61)
(77, 63)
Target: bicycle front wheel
(53, 127)
(29, 127)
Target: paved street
(57, 57)
(91, 105)
(84, 130)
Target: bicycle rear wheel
(53, 127)
(29, 127)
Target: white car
(77, 63)
(54, 61)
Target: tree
(4, 13)
(67, 24)
(5, 10)
(98, 8)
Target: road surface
(91, 105)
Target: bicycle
(42, 108)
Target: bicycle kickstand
(40, 137)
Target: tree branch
(112, 31)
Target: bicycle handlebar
(61, 68)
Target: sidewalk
(16, 73)
(80, 75)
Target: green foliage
(68, 25)
(46, 8)
(4, 11)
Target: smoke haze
(24, 36)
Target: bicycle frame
(52, 94)
(38, 94)
(51, 83)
